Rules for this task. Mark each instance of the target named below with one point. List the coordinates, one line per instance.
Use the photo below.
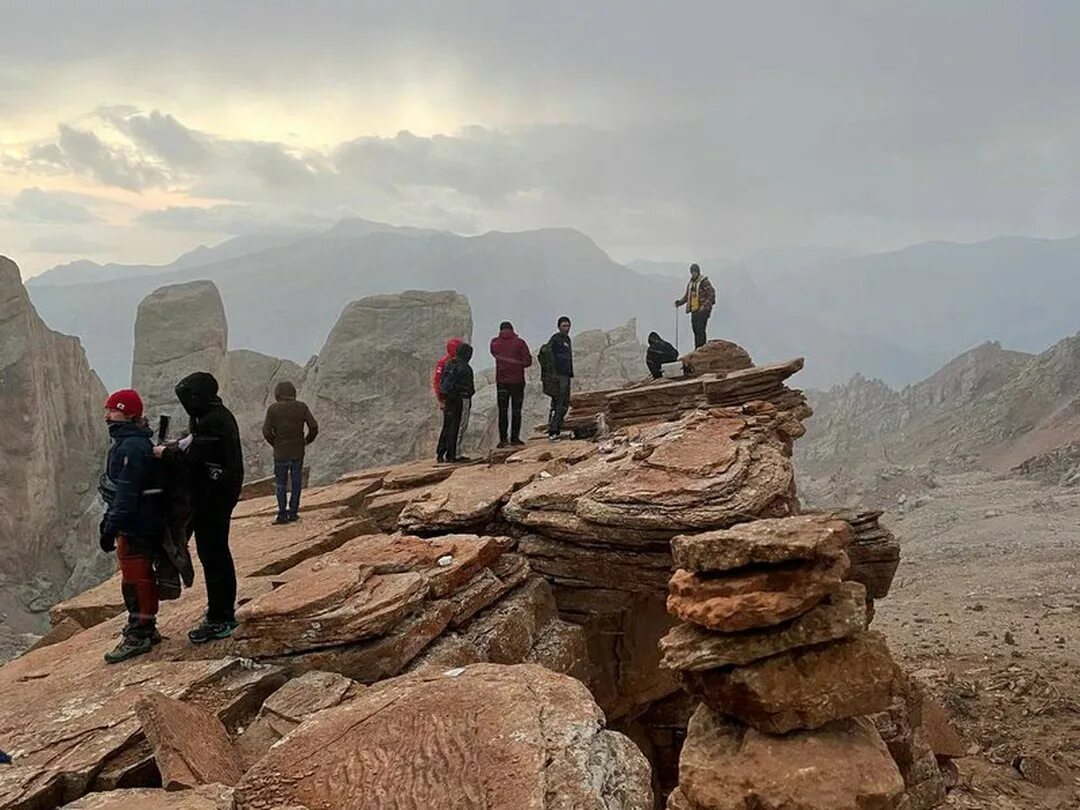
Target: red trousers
(138, 584)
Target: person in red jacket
(512, 357)
(452, 346)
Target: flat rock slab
(92, 606)
(64, 713)
(417, 474)
(571, 452)
(461, 555)
(805, 688)
(341, 605)
(191, 747)
(346, 496)
(750, 598)
(690, 647)
(261, 549)
(210, 797)
(385, 505)
(799, 537)
(504, 738)
(469, 498)
(841, 766)
(605, 567)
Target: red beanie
(127, 401)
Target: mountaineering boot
(280, 520)
(129, 647)
(211, 631)
(517, 443)
(501, 445)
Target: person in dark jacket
(658, 353)
(512, 357)
(562, 372)
(216, 465)
(283, 430)
(134, 520)
(457, 387)
(699, 299)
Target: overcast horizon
(134, 133)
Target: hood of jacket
(284, 391)
(653, 338)
(127, 429)
(452, 345)
(464, 352)
(198, 393)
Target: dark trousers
(138, 586)
(698, 320)
(560, 404)
(288, 478)
(510, 398)
(451, 427)
(212, 542)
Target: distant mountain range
(896, 316)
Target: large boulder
(841, 766)
(252, 379)
(370, 387)
(179, 329)
(504, 738)
(52, 448)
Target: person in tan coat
(283, 430)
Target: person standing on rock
(512, 357)
(557, 370)
(700, 298)
(134, 520)
(457, 388)
(436, 380)
(658, 353)
(283, 430)
(216, 464)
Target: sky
(133, 131)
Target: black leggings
(451, 426)
(212, 542)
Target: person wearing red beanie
(134, 520)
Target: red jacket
(512, 357)
(451, 350)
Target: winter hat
(127, 402)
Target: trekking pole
(676, 329)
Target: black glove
(106, 538)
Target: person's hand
(159, 450)
(678, 303)
(106, 537)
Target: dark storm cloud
(85, 152)
(162, 135)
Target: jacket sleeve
(685, 298)
(129, 487)
(526, 355)
(312, 425)
(268, 428)
(436, 380)
(207, 446)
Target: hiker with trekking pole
(699, 300)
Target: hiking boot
(280, 520)
(502, 445)
(211, 631)
(292, 518)
(461, 460)
(517, 443)
(131, 630)
(553, 437)
(129, 647)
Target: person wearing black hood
(658, 353)
(216, 464)
(457, 387)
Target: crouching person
(134, 520)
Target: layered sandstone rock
(717, 357)
(52, 445)
(179, 329)
(483, 736)
(874, 553)
(841, 766)
(370, 387)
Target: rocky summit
(642, 618)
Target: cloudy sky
(131, 131)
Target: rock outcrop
(370, 387)
(179, 329)
(51, 438)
